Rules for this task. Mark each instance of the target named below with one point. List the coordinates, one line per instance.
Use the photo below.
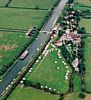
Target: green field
(87, 63)
(46, 73)
(86, 23)
(21, 19)
(33, 3)
(10, 46)
(30, 3)
(28, 93)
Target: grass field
(21, 19)
(28, 93)
(29, 3)
(46, 73)
(87, 63)
(33, 3)
(86, 23)
(10, 46)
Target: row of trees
(69, 58)
(37, 86)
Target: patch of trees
(69, 58)
(81, 65)
(71, 84)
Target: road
(56, 13)
(33, 49)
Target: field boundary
(22, 8)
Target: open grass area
(11, 45)
(47, 74)
(87, 54)
(28, 93)
(73, 96)
(86, 23)
(21, 19)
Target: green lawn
(46, 73)
(87, 55)
(28, 93)
(86, 23)
(10, 46)
(21, 18)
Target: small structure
(75, 64)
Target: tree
(27, 83)
(60, 33)
(37, 85)
(36, 7)
(82, 95)
(70, 1)
(82, 30)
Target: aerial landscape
(45, 49)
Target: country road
(33, 49)
(56, 13)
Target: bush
(70, 1)
(38, 86)
(27, 83)
(82, 95)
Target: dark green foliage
(82, 95)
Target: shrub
(82, 95)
